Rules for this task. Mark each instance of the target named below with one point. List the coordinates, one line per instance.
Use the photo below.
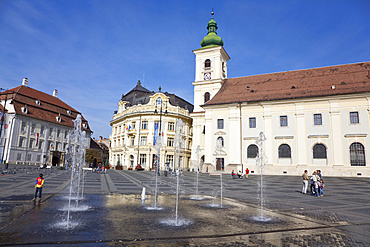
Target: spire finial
(212, 13)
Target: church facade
(314, 119)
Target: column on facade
(208, 142)
(336, 133)
(301, 136)
(234, 134)
(269, 142)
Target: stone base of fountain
(123, 218)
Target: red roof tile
(318, 82)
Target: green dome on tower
(211, 39)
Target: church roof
(141, 95)
(317, 82)
(41, 106)
(211, 40)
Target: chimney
(25, 82)
(100, 138)
(55, 93)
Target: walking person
(305, 181)
(38, 186)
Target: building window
(19, 156)
(23, 127)
(144, 125)
(42, 131)
(132, 141)
(30, 145)
(207, 97)
(65, 134)
(252, 122)
(220, 141)
(171, 126)
(220, 123)
(357, 154)
(29, 157)
(169, 160)
(133, 125)
(58, 133)
(132, 161)
(143, 140)
(319, 151)
(207, 64)
(317, 119)
(283, 121)
(143, 160)
(170, 141)
(353, 116)
(33, 128)
(50, 132)
(38, 157)
(65, 147)
(41, 144)
(284, 151)
(21, 142)
(252, 151)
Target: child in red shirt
(38, 185)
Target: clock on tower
(207, 76)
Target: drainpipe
(241, 135)
(138, 144)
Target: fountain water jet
(76, 154)
(177, 145)
(261, 162)
(197, 197)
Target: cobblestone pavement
(342, 214)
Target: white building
(312, 119)
(35, 127)
(142, 115)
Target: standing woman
(305, 181)
(38, 185)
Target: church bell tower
(210, 66)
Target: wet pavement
(113, 214)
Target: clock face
(159, 101)
(207, 76)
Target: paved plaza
(116, 215)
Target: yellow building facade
(142, 117)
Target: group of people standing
(316, 182)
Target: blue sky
(93, 51)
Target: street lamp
(159, 105)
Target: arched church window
(319, 151)
(252, 151)
(207, 64)
(284, 151)
(207, 97)
(357, 154)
